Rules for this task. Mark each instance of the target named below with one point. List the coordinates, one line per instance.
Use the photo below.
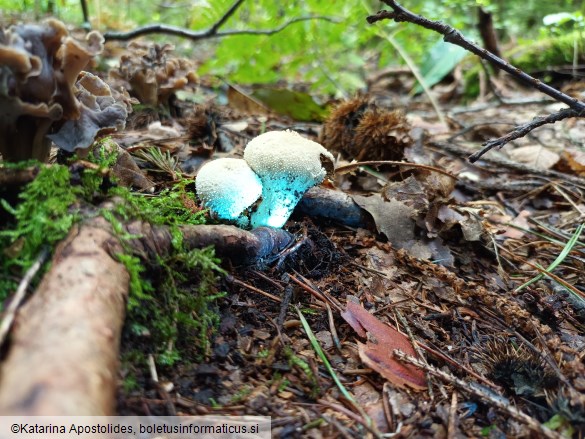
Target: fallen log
(62, 359)
(63, 352)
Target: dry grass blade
(352, 166)
(317, 348)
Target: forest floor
(500, 349)
(500, 359)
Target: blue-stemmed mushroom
(288, 165)
(228, 187)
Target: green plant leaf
(440, 60)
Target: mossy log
(63, 355)
(63, 352)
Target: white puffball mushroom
(288, 165)
(228, 187)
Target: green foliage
(332, 54)
(43, 216)
(441, 59)
(171, 300)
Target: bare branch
(522, 130)
(227, 15)
(212, 32)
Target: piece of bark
(63, 354)
(334, 205)
(237, 245)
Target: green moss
(44, 214)
(294, 360)
(546, 52)
(171, 299)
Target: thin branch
(352, 166)
(522, 130)
(219, 23)
(20, 294)
(212, 32)
(453, 36)
(500, 162)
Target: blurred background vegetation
(332, 57)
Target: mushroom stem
(275, 208)
(280, 195)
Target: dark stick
(522, 130)
(212, 32)
(225, 17)
(85, 12)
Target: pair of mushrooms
(280, 166)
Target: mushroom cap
(276, 154)
(227, 187)
(288, 165)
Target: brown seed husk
(358, 129)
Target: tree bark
(63, 355)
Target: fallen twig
(352, 166)
(522, 130)
(509, 164)
(18, 297)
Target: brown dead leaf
(575, 160)
(369, 398)
(521, 221)
(393, 218)
(408, 191)
(535, 155)
(377, 353)
(238, 99)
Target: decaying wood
(12, 177)
(334, 205)
(63, 355)
(237, 245)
